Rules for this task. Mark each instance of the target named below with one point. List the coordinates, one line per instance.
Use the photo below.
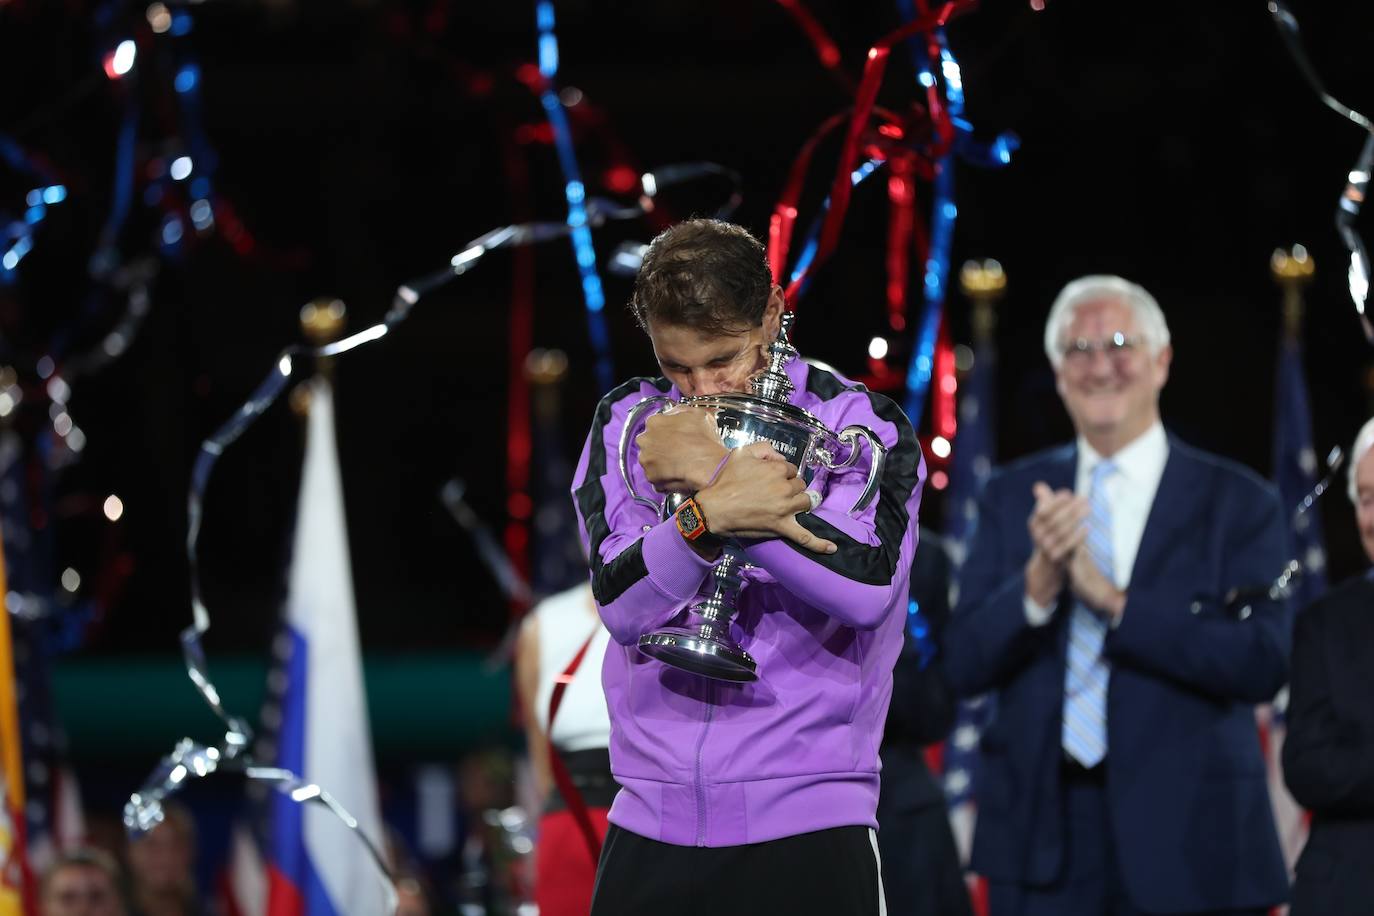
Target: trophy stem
(720, 607)
(703, 644)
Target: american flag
(970, 465)
(1295, 473)
(41, 626)
(1295, 468)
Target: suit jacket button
(1195, 607)
(1244, 613)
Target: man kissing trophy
(702, 643)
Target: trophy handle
(638, 413)
(852, 435)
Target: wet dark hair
(705, 274)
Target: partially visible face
(1110, 394)
(1364, 501)
(81, 890)
(721, 363)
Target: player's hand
(680, 449)
(759, 495)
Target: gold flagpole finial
(546, 370)
(322, 322)
(1292, 269)
(983, 283)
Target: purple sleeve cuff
(674, 567)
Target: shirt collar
(1142, 459)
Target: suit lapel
(1171, 510)
(1062, 468)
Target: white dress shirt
(1130, 492)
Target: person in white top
(1123, 771)
(560, 630)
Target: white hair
(1364, 439)
(1148, 315)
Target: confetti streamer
(891, 144)
(1357, 181)
(575, 191)
(865, 100)
(947, 112)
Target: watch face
(688, 518)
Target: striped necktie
(1086, 675)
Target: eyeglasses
(1119, 346)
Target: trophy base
(708, 656)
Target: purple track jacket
(705, 763)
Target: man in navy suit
(1123, 773)
(1328, 758)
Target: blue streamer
(16, 233)
(204, 160)
(936, 277)
(944, 211)
(576, 193)
(813, 234)
(14, 156)
(106, 257)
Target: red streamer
(784, 217)
(865, 101)
(826, 50)
(577, 805)
(944, 416)
(520, 341)
(901, 193)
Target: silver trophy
(701, 642)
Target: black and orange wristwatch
(691, 524)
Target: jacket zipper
(700, 783)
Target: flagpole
(983, 283)
(546, 370)
(314, 867)
(1292, 269)
(1295, 470)
(322, 322)
(17, 886)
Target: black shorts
(829, 873)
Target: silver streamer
(1357, 181)
(1285, 584)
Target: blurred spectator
(1123, 770)
(162, 866)
(483, 877)
(83, 882)
(921, 871)
(413, 898)
(552, 634)
(1328, 757)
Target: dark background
(363, 143)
